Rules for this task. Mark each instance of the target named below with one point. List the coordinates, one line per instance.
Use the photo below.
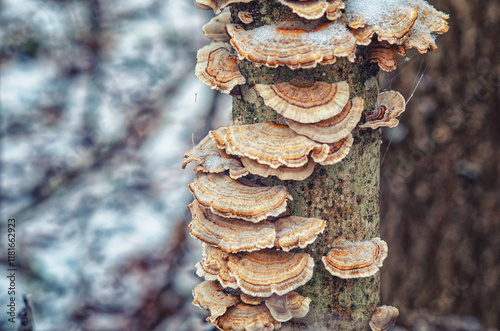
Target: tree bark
(345, 194)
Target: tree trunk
(345, 194)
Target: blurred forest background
(99, 102)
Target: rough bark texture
(345, 194)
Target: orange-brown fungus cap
(310, 10)
(313, 9)
(213, 261)
(209, 295)
(305, 101)
(412, 24)
(243, 317)
(283, 173)
(230, 235)
(385, 54)
(265, 272)
(268, 143)
(217, 67)
(334, 128)
(296, 48)
(354, 259)
(429, 23)
(213, 266)
(383, 318)
(389, 105)
(291, 305)
(250, 299)
(245, 17)
(216, 5)
(338, 151)
(213, 159)
(333, 11)
(295, 231)
(215, 30)
(229, 198)
(390, 22)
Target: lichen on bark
(345, 194)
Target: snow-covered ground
(99, 103)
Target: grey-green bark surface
(345, 194)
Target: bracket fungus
(338, 151)
(392, 26)
(295, 231)
(312, 10)
(273, 46)
(265, 272)
(209, 295)
(268, 143)
(288, 306)
(230, 235)
(389, 105)
(385, 54)
(215, 30)
(355, 259)
(383, 318)
(212, 159)
(216, 5)
(245, 17)
(305, 101)
(243, 317)
(283, 173)
(214, 260)
(334, 128)
(217, 67)
(246, 228)
(411, 24)
(250, 299)
(229, 198)
(234, 235)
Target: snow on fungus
(265, 272)
(295, 231)
(430, 22)
(243, 317)
(410, 23)
(334, 128)
(355, 259)
(389, 23)
(209, 295)
(385, 54)
(230, 235)
(245, 17)
(291, 305)
(283, 173)
(383, 318)
(338, 151)
(268, 143)
(212, 159)
(296, 48)
(305, 101)
(389, 105)
(215, 30)
(229, 198)
(216, 5)
(217, 67)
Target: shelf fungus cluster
(255, 251)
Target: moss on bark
(345, 194)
